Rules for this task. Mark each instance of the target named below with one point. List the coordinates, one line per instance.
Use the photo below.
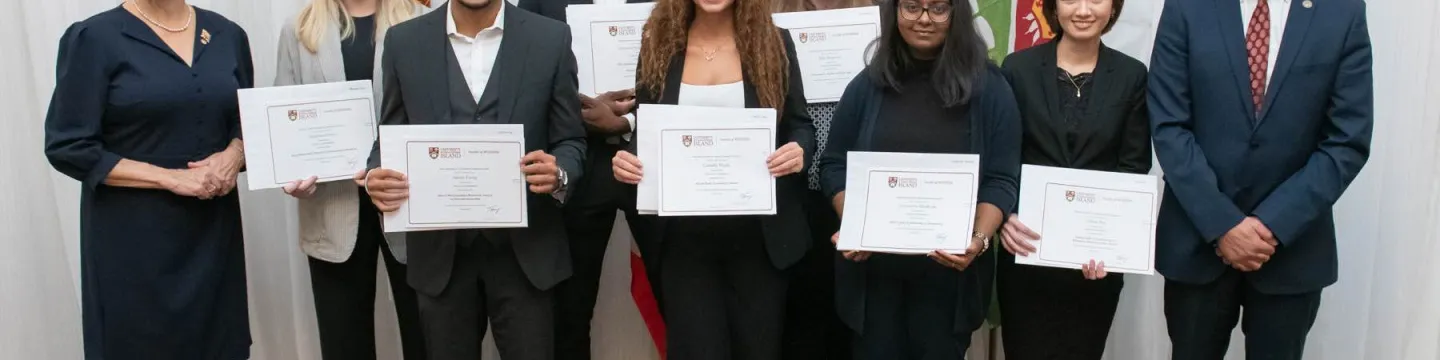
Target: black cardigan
(994, 133)
(787, 233)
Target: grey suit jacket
(536, 84)
(329, 220)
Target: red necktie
(1257, 40)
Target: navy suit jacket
(1286, 165)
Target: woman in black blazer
(1084, 108)
(929, 89)
(723, 275)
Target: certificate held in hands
(705, 161)
(461, 176)
(1083, 215)
(907, 203)
(296, 132)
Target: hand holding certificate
(1084, 215)
(292, 133)
(438, 177)
(907, 203)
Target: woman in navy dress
(144, 115)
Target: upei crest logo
(614, 30)
(434, 152)
(685, 139)
(1069, 195)
(804, 37)
(894, 181)
(294, 115)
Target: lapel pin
(1307, 4)
(205, 36)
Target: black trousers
(724, 298)
(813, 330)
(589, 219)
(345, 297)
(910, 304)
(1050, 313)
(487, 284)
(1201, 317)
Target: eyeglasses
(911, 10)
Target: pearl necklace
(147, 18)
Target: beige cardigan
(329, 220)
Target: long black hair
(957, 70)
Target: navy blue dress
(163, 275)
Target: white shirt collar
(1242, 2)
(451, 30)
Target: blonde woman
(329, 41)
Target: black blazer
(555, 9)
(1114, 134)
(537, 83)
(787, 233)
(995, 136)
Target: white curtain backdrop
(1386, 305)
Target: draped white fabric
(1386, 305)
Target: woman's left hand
(786, 160)
(1093, 270)
(958, 262)
(224, 165)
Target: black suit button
(1254, 144)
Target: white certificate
(461, 176)
(295, 132)
(830, 46)
(907, 203)
(606, 44)
(705, 161)
(1083, 215)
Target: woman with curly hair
(723, 276)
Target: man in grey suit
(483, 62)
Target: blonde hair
(784, 6)
(314, 21)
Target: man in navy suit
(1261, 112)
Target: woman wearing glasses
(1084, 109)
(929, 89)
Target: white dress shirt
(1279, 13)
(476, 55)
(610, 2)
(477, 61)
